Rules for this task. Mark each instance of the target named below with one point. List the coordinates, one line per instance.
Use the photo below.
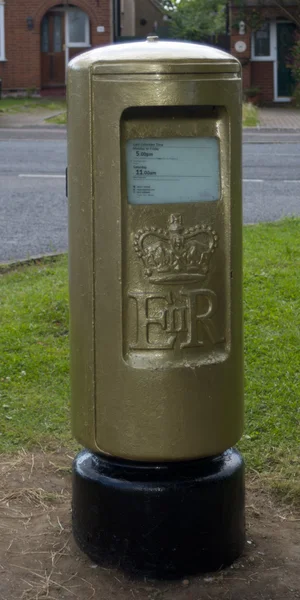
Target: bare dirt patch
(39, 560)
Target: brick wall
(244, 57)
(22, 69)
(262, 76)
(147, 11)
(255, 73)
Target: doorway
(285, 41)
(65, 32)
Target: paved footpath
(32, 118)
(279, 118)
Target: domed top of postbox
(156, 56)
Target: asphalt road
(33, 206)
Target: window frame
(2, 32)
(270, 57)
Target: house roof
(158, 5)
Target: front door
(53, 49)
(285, 41)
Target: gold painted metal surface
(161, 57)
(155, 290)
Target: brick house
(139, 18)
(262, 35)
(39, 37)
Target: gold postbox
(155, 236)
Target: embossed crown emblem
(176, 255)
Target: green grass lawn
(58, 119)
(34, 370)
(13, 105)
(250, 115)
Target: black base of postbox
(162, 520)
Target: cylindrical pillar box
(154, 180)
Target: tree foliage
(295, 69)
(196, 19)
(295, 61)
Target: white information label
(172, 170)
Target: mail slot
(155, 242)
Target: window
(57, 33)
(2, 33)
(261, 42)
(45, 34)
(78, 28)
